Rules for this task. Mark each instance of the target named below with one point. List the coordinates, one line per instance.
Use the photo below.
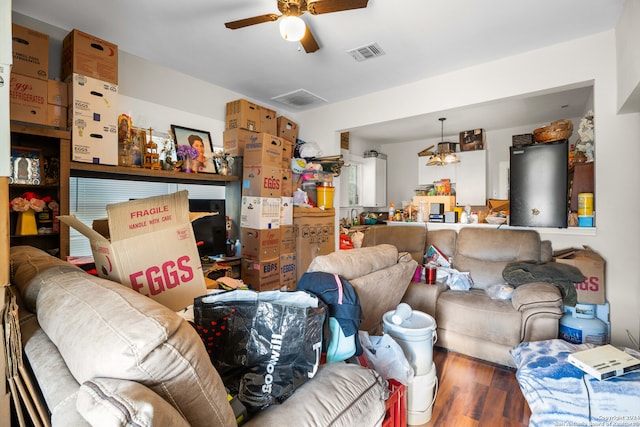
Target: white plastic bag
(500, 292)
(386, 357)
(310, 149)
(300, 197)
(456, 280)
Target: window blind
(88, 198)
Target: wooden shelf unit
(90, 170)
(56, 142)
(53, 142)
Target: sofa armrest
(423, 297)
(541, 306)
(30, 268)
(533, 295)
(115, 402)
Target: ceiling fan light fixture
(292, 28)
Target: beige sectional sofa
(471, 322)
(102, 354)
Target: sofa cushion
(474, 314)
(104, 329)
(382, 291)
(444, 240)
(340, 395)
(546, 251)
(58, 387)
(353, 263)
(113, 402)
(486, 252)
(406, 238)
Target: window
(351, 183)
(88, 198)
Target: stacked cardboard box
(57, 103)
(152, 248)
(592, 265)
(287, 129)
(314, 234)
(266, 234)
(29, 75)
(34, 98)
(90, 68)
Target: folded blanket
(562, 275)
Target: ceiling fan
(292, 27)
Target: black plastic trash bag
(263, 344)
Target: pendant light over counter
(445, 155)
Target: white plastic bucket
(421, 395)
(416, 336)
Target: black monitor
(210, 231)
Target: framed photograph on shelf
(25, 166)
(201, 140)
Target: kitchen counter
(574, 231)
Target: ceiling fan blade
(317, 7)
(241, 23)
(309, 42)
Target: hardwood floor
(476, 394)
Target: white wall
(617, 150)
(627, 36)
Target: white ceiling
(420, 38)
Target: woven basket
(557, 131)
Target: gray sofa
(102, 354)
(471, 322)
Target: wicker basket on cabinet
(556, 131)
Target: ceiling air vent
(299, 98)
(369, 51)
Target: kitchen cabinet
(469, 176)
(374, 181)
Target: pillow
(113, 402)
